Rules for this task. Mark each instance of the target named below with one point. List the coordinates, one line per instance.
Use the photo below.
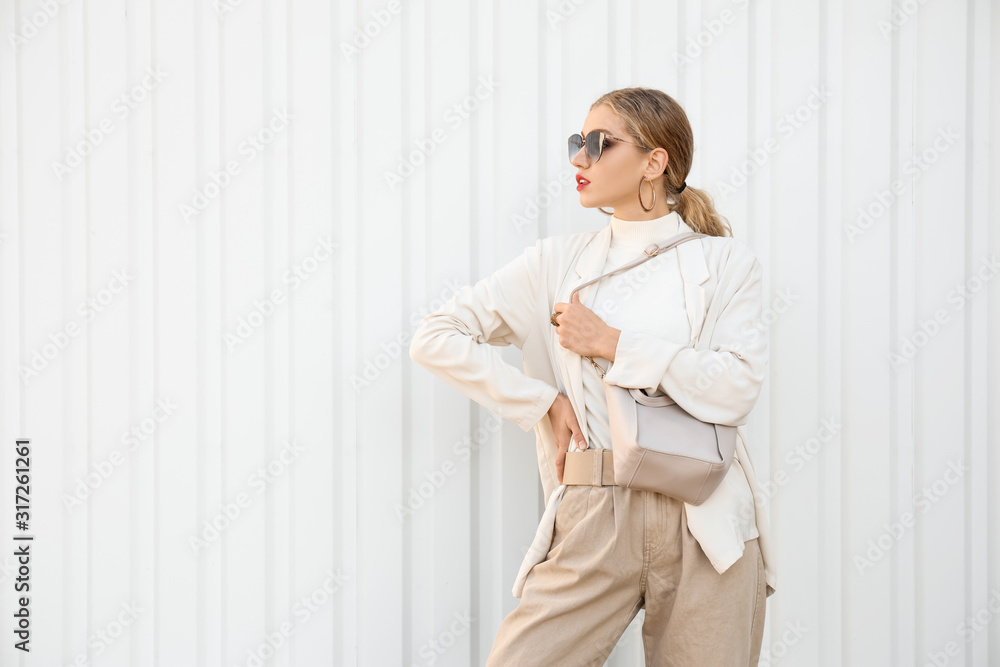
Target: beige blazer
(718, 379)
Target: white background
(477, 188)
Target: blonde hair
(653, 118)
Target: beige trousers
(614, 551)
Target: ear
(657, 162)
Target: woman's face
(613, 181)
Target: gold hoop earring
(640, 194)
(605, 212)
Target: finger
(576, 433)
(575, 298)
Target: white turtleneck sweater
(634, 300)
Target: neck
(637, 213)
(640, 233)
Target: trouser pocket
(571, 511)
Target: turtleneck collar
(640, 233)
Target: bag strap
(651, 251)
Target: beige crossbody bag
(657, 445)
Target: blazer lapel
(588, 266)
(694, 272)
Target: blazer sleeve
(456, 342)
(720, 384)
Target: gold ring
(553, 319)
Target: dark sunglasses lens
(594, 145)
(575, 144)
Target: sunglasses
(595, 143)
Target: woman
(688, 324)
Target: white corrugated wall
(221, 220)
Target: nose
(579, 160)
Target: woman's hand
(566, 429)
(582, 331)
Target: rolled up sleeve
(718, 385)
(457, 342)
